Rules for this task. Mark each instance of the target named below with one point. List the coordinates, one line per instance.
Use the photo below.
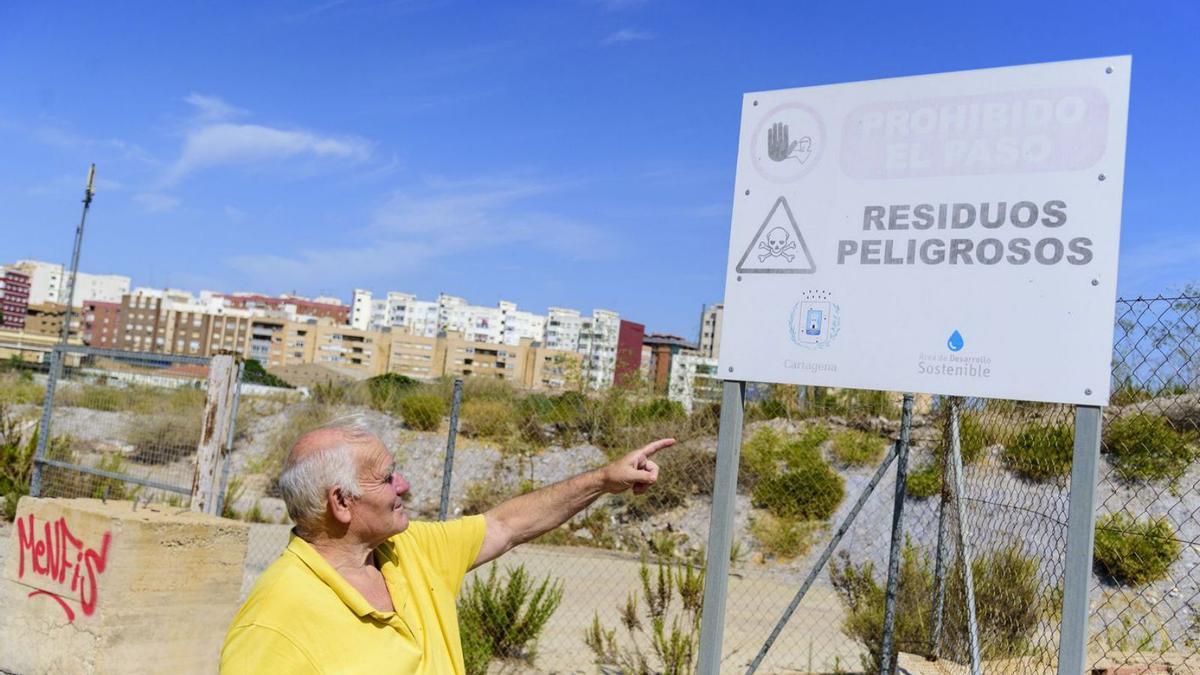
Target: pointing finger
(654, 447)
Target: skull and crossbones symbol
(777, 245)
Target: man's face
(379, 513)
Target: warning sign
(951, 234)
(777, 247)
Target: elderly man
(359, 588)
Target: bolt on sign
(950, 234)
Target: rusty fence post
(214, 430)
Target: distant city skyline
(576, 154)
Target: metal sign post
(1081, 535)
(893, 579)
(720, 527)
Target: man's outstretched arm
(520, 519)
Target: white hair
(303, 484)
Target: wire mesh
(1146, 589)
(807, 455)
(124, 425)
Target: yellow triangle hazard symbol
(777, 247)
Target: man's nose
(401, 484)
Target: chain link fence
(121, 425)
(619, 586)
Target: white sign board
(949, 234)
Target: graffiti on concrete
(55, 555)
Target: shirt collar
(320, 567)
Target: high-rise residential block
(50, 283)
(14, 298)
(101, 322)
(710, 329)
(630, 336)
(693, 380)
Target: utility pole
(88, 192)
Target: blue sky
(575, 153)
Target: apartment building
(663, 349)
(693, 380)
(520, 325)
(100, 321)
(14, 298)
(630, 337)
(276, 342)
(50, 283)
(140, 324)
(467, 358)
(48, 319)
(598, 337)
(404, 313)
(551, 369)
(415, 356)
(292, 307)
(345, 347)
(562, 329)
(711, 317)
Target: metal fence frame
(57, 358)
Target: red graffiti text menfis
(61, 558)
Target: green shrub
(657, 410)
(808, 489)
(767, 409)
(973, 437)
(1041, 453)
(484, 494)
(422, 412)
(385, 391)
(165, 438)
(925, 481)
(1145, 447)
(1134, 553)
(854, 448)
(485, 389)
(1006, 592)
(673, 635)
(16, 462)
(784, 538)
(685, 470)
(18, 388)
(476, 646)
(487, 418)
(254, 373)
(509, 615)
(868, 402)
(768, 451)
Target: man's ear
(339, 505)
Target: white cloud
(226, 144)
(212, 108)
(1159, 265)
(153, 202)
(625, 36)
(439, 220)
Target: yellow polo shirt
(303, 617)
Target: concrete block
(99, 587)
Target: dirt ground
(599, 581)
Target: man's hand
(634, 470)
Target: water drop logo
(955, 343)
